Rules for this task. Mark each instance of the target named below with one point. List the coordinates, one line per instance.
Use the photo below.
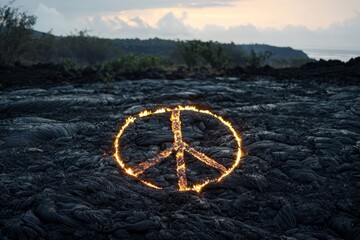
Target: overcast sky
(295, 23)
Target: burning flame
(180, 147)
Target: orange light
(179, 146)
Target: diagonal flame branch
(152, 161)
(205, 159)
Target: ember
(179, 147)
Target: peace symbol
(179, 147)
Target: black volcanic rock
(298, 178)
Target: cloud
(174, 26)
(169, 26)
(341, 36)
(67, 7)
(51, 19)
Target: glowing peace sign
(179, 147)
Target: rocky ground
(299, 178)
(45, 75)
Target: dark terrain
(299, 178)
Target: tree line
(20, 43)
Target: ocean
(327, 54)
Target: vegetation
(257, 60)
(130, 62)
(15, 29)
(197, 53)
(41, 49)
(86, 49)
(18, 42)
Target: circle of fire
(179, 146)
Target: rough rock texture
(298, 180)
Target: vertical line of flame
(178, 142)
(176, 127)
(181, 170)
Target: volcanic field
(298, 177)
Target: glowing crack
(179, 147)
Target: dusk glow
(301, 24)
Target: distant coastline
(331, 54)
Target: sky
(333, 24)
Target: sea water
(334, 54)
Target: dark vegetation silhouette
(15, 29)
(19, 43)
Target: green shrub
(131, 63)
(197, 53)
(256, 60)
(15, 29)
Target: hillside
(83, 48)
(167, 48)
